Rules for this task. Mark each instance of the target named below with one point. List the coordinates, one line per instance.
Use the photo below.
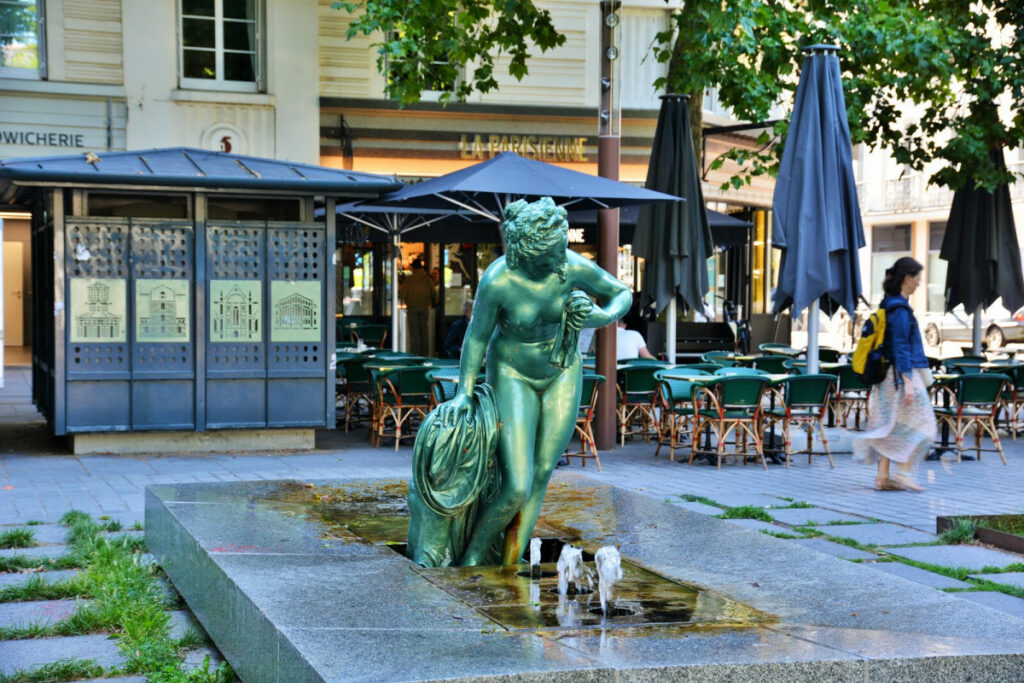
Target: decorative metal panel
(296, 264)
(235, 267)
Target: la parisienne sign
(542, 147)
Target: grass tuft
(778, 534)
(690, 498)
(17, 538)
(793, 505)
(61, 670)
(961, 532)
(36, 587)
(70, 517)
(746, 512)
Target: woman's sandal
(906, 482)
(888, 485)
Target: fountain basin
(293, 586)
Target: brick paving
(40, 480)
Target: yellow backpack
(869, 363)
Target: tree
(430, 44)
(948, 62)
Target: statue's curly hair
(533, 229)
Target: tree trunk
(676, 77)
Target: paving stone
(734, 500)
(702, 508)
(17, 578)
(917, 575)
(194, 658)
(37, 551)
(25, 655)
(964, 556)
(42, 533)
(41, 612)
(811, 516)
(833, 549)
(181, 621)
(756, 525)
(878, 534)
(996, 600)
(1008, 578)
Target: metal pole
(670, 331)
(976, 332)
(395, 250)
(812, 338)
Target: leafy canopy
(430, 44)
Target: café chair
(805, 400)
(722, 358)
(1013, 397)
(584, 421)
(772, 364)
(405, 395)
(357, 391)
(851, 397)
(730, 405)
(635, 389)
(674, 399)
(977, 399)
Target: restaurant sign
(542, 147)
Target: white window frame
(427, 95)
(220, 83)
(40, 71)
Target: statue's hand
(461, 408)
(578, 308)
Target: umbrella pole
(976, 332)
(670, 331)
(394, 291)
(812, 338)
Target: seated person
(457, 332)
(630, 344)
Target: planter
(999, 539)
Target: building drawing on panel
(296, 312)
(98, 323)
(235, 315)
(163, 320)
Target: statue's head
(534, 231)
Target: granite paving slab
(181, 621)
(916, 574)
(702, 508)
(834, 549)
(878, 534)
(194, 659)
(43, 533)
(733, 500)
(811, 516)
(28, 654)
(996, 600)
(17, 578)
(1008, 578)
(966, 556)
(37, 551)
(40, 612)
(756, 525)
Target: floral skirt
(901, 432)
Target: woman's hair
(532, 230)
(893, 282)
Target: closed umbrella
(817, 221)
(980, 247)
(674, 239)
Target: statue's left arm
(613, 297)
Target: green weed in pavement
(690, 498)
(17, 538)
(793, 505)
(61, 670)
(778, 534)
(746, 512)
(961, 532)
(36, 587)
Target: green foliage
(793, 505)
(36, 587)
(428, 45)
(61, 670)
(961, 532)
(746, 512)
(17, 538)
(690, 498)
(778, 534)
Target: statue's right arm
(481, 327)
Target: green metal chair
(827, 355)
(977, 401)
(851, 396)
(372, 334)
(358, 389)
(584, 419)
(729, 406)
(674, 398)
(706, 367)
(444, 383)
(805, 400)
(736, 372)
(641, 361)
(635, 389)
(772, 364)
(722, 358)
(1013, 397)
(405, 396)
(778, 349)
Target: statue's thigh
(560, 404)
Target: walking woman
(902, 423)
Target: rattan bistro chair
(1013, 397)
(584, 421)
(636, 386)
(730, 405)
(674, 397)
(805, 400)
(851, 397)
(977, 400)
(405, 396)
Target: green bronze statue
(530, 307)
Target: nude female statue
(523, 300)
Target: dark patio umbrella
(817, 218)
(980, 246)
(486, 188)
(674, 239)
